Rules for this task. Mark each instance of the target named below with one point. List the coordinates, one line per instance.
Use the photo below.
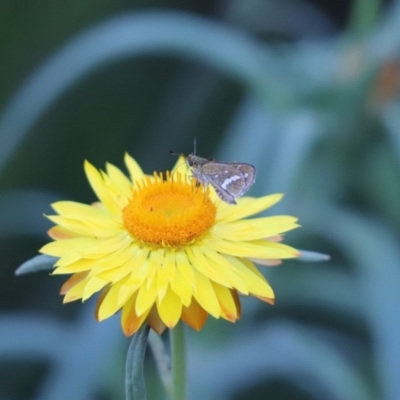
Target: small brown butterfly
(230, 180)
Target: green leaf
(162, 360)
(312, 256)
(364, 15)
(119, 38)
(280, 349)
(35, 264)
(374, 252)
(308, 288)
(135, 388)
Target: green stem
(135, 388)
(178, 360)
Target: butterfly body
(230, 180)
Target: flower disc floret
(167, 212)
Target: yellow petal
(109, 306)
(86, 227)
(58, 233)
(268, 263)
(67, 265)
(121, 183)
(156, 259)
(104, 246)
(169, 265)
(268, 300)
(118, 197)
(136, 264)
(162, 282)
(170, 308)
(182, 288)
(72, 281)
(201, 263)
(154, 320)
(100, 299)
(68, 260)
(120, 259)
(247, 206)
(253, 229)
(132, 285)
(97, 183)
(224, 268)
(236, 299)
(82, 211)
(130, 322)
(62, 247)
(108, 275)
(113, 275)
(93, 286)
(146, 297)
(181, 167)
(226, 302)
(254, 279)
(250, 266)
(72, 250)
(134, 169)
(78, 227)
(205, 295)
(194, 315)
(260, 249)
(76, 292)
(185, 268)
(126, 292)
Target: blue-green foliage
(273, 83)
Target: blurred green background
(307, 91)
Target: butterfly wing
(230, 180)
(248, 172)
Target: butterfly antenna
(194, 146)
(175, 170)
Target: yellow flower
(162, 249)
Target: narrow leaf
(312, 256)
(37, 263)
(163, 361)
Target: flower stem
(134, 380)
(178, 360)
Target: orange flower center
(168, 212)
